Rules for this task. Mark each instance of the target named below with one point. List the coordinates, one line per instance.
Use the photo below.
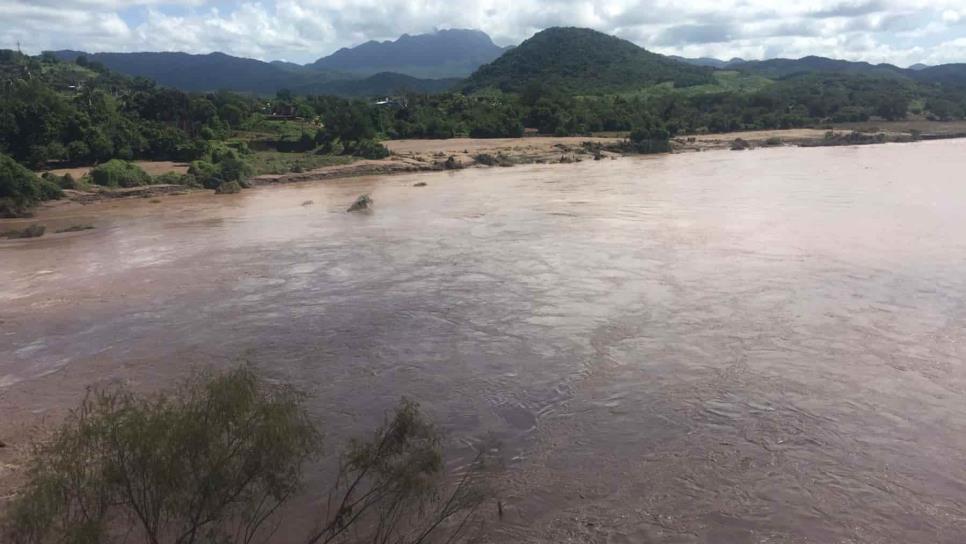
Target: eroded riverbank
(413, 156)
(710, 347)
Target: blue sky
(898, 31)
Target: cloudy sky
(898, 31)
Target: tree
(212, 462)
(215, 460)
(19, 187)
(118, 173)
(390, 487)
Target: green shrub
(118, 173)
(67, 181)
(205, 173)
(367, 149)
(170, 178)
(653, 139)
(19, 188)
(234, 169)
(50, 190)
(219, 151)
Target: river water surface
(765, 346)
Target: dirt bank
(891, 131)
(409, 156)
(154, 168)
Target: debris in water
(76, 228)
(362, 203)
(420, 184)
(33, 231)
(228, 188)
(740, 145)
(452, 163)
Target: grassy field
(725, 81)
(275, 162)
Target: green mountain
(708, 61)
(441, 54)
(214, 71)
(583, 61)
(948, 74)
(779, 68)
(383, 84)
(218, 71)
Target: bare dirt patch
(155, 168)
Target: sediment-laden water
(763, 346)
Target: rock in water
(362, 203)
(740, 145)
(228, 188)
(33, 231)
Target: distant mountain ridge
(708, 61)
(581, 60)
(778, 68)
(954, 74)
(218, 71)
(210, 72)
(419, 63)
(572, 60)
(444, 53)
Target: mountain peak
(443, 53)
(583, 60)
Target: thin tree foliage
(212, 463)
(392, 488)
(215, 461)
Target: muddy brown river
(764, 346)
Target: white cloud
(899, 31)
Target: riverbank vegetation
(217, 458)
(58, 114)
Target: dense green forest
(580, 60)
(56, 113)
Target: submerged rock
(452, 163)
(362, 203)
(740, 145)
(228, 188)
(76, 228)
(33, 231)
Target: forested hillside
(583, 61)
(56, 113)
